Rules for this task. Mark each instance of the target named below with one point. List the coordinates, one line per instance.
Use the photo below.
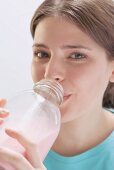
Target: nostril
(57, 79)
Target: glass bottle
(35, 113)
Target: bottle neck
(50, 90)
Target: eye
(77, 56)
(41, 54)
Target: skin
(31, 159)
(71, 57)
(76, 75)
(63, 52)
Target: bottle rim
(52, 85)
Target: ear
(112, 72)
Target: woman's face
(63, 52)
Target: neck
(83, 133)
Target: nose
(55, 70)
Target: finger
(1, 121)
(32, 153)
(14, 159)
(2, 102)
(3, 113)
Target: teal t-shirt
(101, 157)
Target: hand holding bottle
(3, 112)
(34, 122)
(31, 160)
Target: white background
(15, 45)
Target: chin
(66, 114)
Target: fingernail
(4, 113)
(10, 132)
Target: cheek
(37, 72)
(88, 79)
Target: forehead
(56, 26)
(59, 30)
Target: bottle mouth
(47, 87)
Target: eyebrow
(63, 47)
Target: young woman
(73, 43)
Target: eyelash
(78, 54)
(40, 52)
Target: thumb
(32, 153)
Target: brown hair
(95, 17)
